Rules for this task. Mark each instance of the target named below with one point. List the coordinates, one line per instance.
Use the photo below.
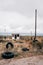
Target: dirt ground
(24, 58)
(34, 60)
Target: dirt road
(34, 60)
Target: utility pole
(35, 23)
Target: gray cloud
(25, 7)
(17, 13)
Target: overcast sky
(19, 15)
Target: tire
(25, 49)
(9, 43)
(7, 55)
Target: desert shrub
(16, 54)
(42, 44)
(19, 41)
(37, 44)
(2, 41)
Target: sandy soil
(34, 60)
(26, 58)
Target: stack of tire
(8, 55)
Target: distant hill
(21, 34)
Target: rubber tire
(9, 43)
(25, 49)
(7, 55)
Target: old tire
(25, 49)
(7, 55)
(9, 43)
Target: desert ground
(34, 60)
(32, 57)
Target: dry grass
(18, 45)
